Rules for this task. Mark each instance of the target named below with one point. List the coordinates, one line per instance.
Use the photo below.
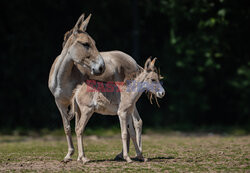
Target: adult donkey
(80, 60)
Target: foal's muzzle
(160, 94)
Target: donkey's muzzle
(98, 71)
(99, 67)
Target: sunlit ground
(173, 152)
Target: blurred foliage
(202, 47)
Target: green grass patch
(171, 152)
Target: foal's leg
(137, 121)
(134, 127)
(123, 117)
(138, 127)
(133, 137)
(120, 155)
(66, 124)
(132, 134)
(81, 121)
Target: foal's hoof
(66, 160)
(141, 159)
(128, 160)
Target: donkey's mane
(66, 37)
(68, 34)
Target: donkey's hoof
(83, 160)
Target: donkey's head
(152, 78)
(82, 48)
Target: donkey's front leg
(123, 117)
(81, 121)
(63, 110)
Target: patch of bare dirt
(50, 165)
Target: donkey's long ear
(146, 66)
(85, 23)
(78, 24)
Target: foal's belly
(106, 108)
(107, 103)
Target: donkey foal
(85, 103)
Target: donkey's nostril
(100, 69)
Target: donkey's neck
(63, 69)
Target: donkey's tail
(74, 109)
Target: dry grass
(166, 153)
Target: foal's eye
(153, 80)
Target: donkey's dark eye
(153, 80)
(86, 45)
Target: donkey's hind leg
(81, 121)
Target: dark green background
(203, 49)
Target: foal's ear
(85, 23)
(152, 64)
(78, 24)
(147, 63)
